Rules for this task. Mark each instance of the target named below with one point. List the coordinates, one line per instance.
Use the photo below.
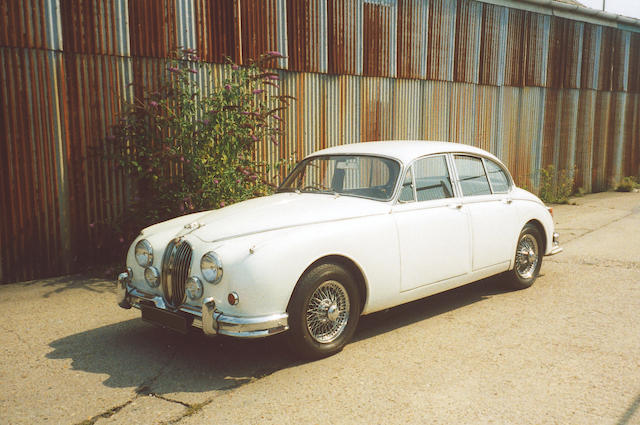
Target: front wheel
(323, 311)
(528, 258)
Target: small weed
(628, 184)
(555, 185)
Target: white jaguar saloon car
(353, 229)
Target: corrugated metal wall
(534, 89)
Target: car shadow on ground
(157, 361)
(425, 308)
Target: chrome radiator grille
(175, 271)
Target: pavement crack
(170, 400)
(192, 409)
(106, 414)
(599, 227)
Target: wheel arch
(352, 268)
(538, 225)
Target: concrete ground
(565, 351)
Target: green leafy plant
(627, 184)
(185, 151)
(555, 186)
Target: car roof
(403, 150)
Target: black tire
(527, 258)
(325, 311)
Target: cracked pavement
(566, 350)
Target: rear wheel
(528, 258)
(323, 311)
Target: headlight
(194, 288)
(211, 267)
(151, 275)
(144, 253)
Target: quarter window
(473, 179)
(406, 192)
(432, 178)
(497, 176)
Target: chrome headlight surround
(144, 253)
(152, 276)
(211, 267)
(194, 288)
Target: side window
(497, 176)
(473, 179)
(406, 192)
(432, 178)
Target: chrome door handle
(507, 201)
(455, 206)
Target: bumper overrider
(211, 320)
(555, 247)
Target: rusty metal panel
(592, 39)
(573, 53)
(412, 36)
(95, 26)
(552, 109)
(585, 139)
(30, 24)
(376, 109)
(441, 41)
(437, 100)
(259, 28)
(379, 34)
(462, 119)
(467, 43)
(186, 24)
(217, 30)
(620, 69)
(516, 49)
(619, 104)
(537, 28)
(408, 109)
(601, 141)
(33, 189)
(493, 44)
(531, 134)
(344, 36)
(307, 35)
(633, 70)
(95, 89)
(558, 52)
(631, 137)
(566, 123)
(508, 122)
(152, 27)
(487, 106)
(606, 54)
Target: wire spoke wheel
(327, 312)
(527, 256)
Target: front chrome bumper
(555, 247)
(211, 320)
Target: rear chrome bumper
(211, 320)
(555, 247)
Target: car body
(354, 229)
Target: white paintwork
(404, 251)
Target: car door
(485, 188)
(432, 225)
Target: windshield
(353, 175)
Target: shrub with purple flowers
(186, 151)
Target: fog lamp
(152, 276)
(194, 288)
